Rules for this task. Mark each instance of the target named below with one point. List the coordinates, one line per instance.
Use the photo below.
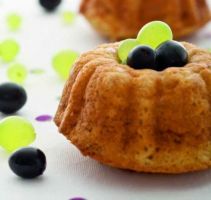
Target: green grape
(14, 21)
(16, 132)
(17, 73)
(63, 61)
(9, 50)
(69, 17)
(125, 47)
(154, 33)
(37, 71)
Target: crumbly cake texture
(119, 19)
(143, 120)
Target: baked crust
(119, 19)
(143, 120)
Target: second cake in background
(119, 19)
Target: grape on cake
(151, 118)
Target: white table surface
(68, 173)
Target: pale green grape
(9, 49)
(63, 61)
(16, 132)
(14, 21)
(125, 47)
(37, 71)
(17, 73)
(68, 17)
(154, 33)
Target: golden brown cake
(118, 19)
(143, 120)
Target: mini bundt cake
(143, 120)
(143, 104)
(119, 19)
